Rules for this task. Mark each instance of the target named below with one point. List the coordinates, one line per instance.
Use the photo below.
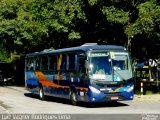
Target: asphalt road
(16, 100)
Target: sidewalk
(153, 97)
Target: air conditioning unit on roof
(89, 44)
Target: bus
(88, 73)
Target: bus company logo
(150, 117)
(106, 89)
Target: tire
(41, 93)
(73, 98)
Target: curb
(148, 98)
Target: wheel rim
(73, 98)
(40, 93)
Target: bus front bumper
(95, 98)
(111, 97)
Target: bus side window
(81, 64)
(44, 63)
(30, 64)
(38, 63)
(71, 61)
(53, 62)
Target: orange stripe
(46, 82)
(82, 88)
(116, 90)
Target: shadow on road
(80, 104)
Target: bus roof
(81, 48)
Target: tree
(55, 19)
(145, 30)
(8, 23)
(34, 25)
(148, 21)
(105, 21)
(37, 24)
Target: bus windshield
(120, 61)
(109, 67)
(121, 66)
(99, 66)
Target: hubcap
(40, 93)
(74, 97)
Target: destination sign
(97, 54)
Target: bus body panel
(62, 90)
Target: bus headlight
(94, 89)
(130, 88)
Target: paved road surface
(18, 100)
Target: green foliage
(9, 8)
(115, 15)
(92, 2)
(148, 20)
(29, 23)
(51, 19)
(3, 55)
(34, 25)
(74, 35)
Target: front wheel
(73, 98)
(41, 93)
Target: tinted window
(30, 64)
(44, 63)
(81, 63)
(71, 60)
(53, 62)
(37, 63)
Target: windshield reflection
(100, 66)
(120, 62)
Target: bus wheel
(73, 98)
(41, 93)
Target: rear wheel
(73, 98)
(41, 93)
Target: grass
(151, 92)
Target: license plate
(114, 98)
